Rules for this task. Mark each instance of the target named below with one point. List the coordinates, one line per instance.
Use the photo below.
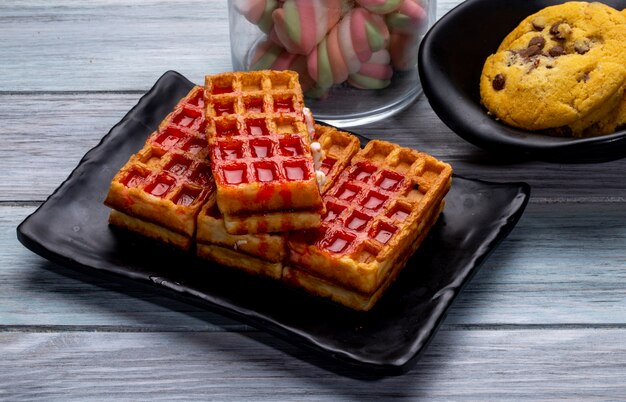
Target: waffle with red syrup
(377, 213)
(260, 152)
(160, 190)
(263, 253)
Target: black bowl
(451, 59)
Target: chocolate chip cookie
(561, 69)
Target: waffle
(161, 188)
(260, 152)
(376, 211)
(263, 253)
(350, 298)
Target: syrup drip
(256, 127)
(356, 222)
(347, 194)
(202, 176)
(224, 108)
(261, 150)
(327, 164)
(384, 233)
(227, 130)
(337, 245)
(194, 146)
(373, 202)
(234, 175)
(160, 189)
(362, 175)
(185, 199)
(400, 215)
(178, 168)
(383, 236)
(390, 181)
(134, 180)
(294, 172)
(169, 140)
(229, 154)
(198, 100)
(291, 147)
(264, 174)
(283, 105)
(332, 212)
(185, 121)
(254, 105)
(217, 90)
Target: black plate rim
(471, 122)
(398, 366)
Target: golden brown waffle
(263, 253)
(375, 212)
(337, 148)
(166, 183)
(260, 147)
(318, 286)
(150, 230)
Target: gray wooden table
(545, 318)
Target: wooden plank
(562, 264)
(61, 128)
(112, 45)
(109, 45)
(36, 292)
(469, 365)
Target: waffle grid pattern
(371, 210)
(259, 143)
(169, 179)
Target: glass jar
(357, 59)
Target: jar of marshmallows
(356, 59)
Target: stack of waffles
(239, 173)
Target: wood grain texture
(562, 264)
(544, 319)
(113, 45)
(522, 365)
(43, 149)
(109, 45)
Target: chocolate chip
(554, 29)
(537, 41)
(556, 51)
(498, 82)
(530, 51)
(581, 47)
(560, 30)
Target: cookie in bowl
(561, 71)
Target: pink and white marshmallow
(258, 12)
(380, 6)
(368, 34)
(376, 73)
(269, 56)
(409, 18)
(299, 25)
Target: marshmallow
(380, 6)
(376, 73)
(269, 56)
(368, 33)
(409, 18)
(258, 12)
(326, 64)
(300, 25)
